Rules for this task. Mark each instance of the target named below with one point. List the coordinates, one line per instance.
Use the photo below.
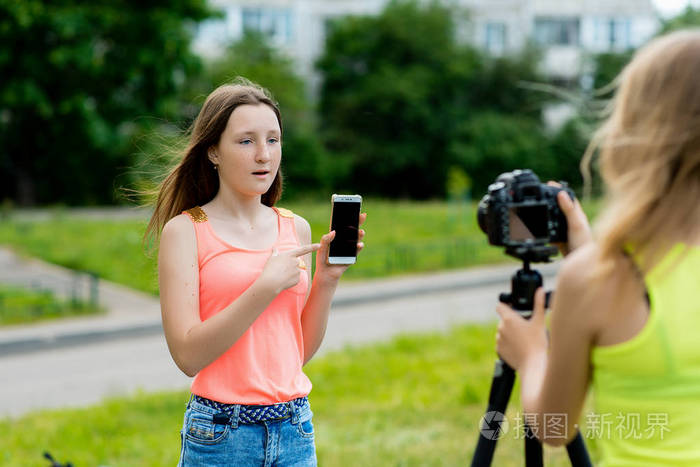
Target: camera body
(519, 211)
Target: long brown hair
(649, 153)
(194, 181)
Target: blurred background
(397, 99)
(416, 105)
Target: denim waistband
(251, 414)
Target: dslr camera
(519, 212)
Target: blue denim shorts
(209, 441)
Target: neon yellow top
(647, 390)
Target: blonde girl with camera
(625, 317)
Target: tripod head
(532, 253)
(526, 281)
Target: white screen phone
(345, 220)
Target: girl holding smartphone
(240, 311)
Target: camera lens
(481, 213)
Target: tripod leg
(490, 429)
(524, 283)
(578, 455)
(533, 449)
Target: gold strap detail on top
(197, 214)
(285, 212)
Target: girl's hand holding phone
(333, 272)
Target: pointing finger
(304, 249)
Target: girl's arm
(314, 318)
(193, 343)
(554, 376)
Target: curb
(425, 289)
(71, 339)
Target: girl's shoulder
(578, 271)
(575, 267)
(284, 212)
(599, 303)
(180, 228)
(197, 214)
(301, 225)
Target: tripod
(524, 283)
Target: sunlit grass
(402, 237)
(413, 401)
(20, 305)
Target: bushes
(77, 78)
(490, 143)
(18, 305)
(403, 109)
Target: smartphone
(345, 220)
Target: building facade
(566, 30)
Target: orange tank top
(264, 366)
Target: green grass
(110, 248)
(19, 305)
(414, 401)
(402, 237)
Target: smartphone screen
(528, 223)
(344, 220)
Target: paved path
(129, 312)
(79, 361)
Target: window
(612, 33)
(276, 23)
(495, 40)
(211, 31)
(557, 31)
(620, 30)
(600, 36)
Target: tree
(491, 143)
(689, 18)
(396, 89)
(608, 65)
(77, 78)
(382, 88)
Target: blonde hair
(649, 153)
(194, 181)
